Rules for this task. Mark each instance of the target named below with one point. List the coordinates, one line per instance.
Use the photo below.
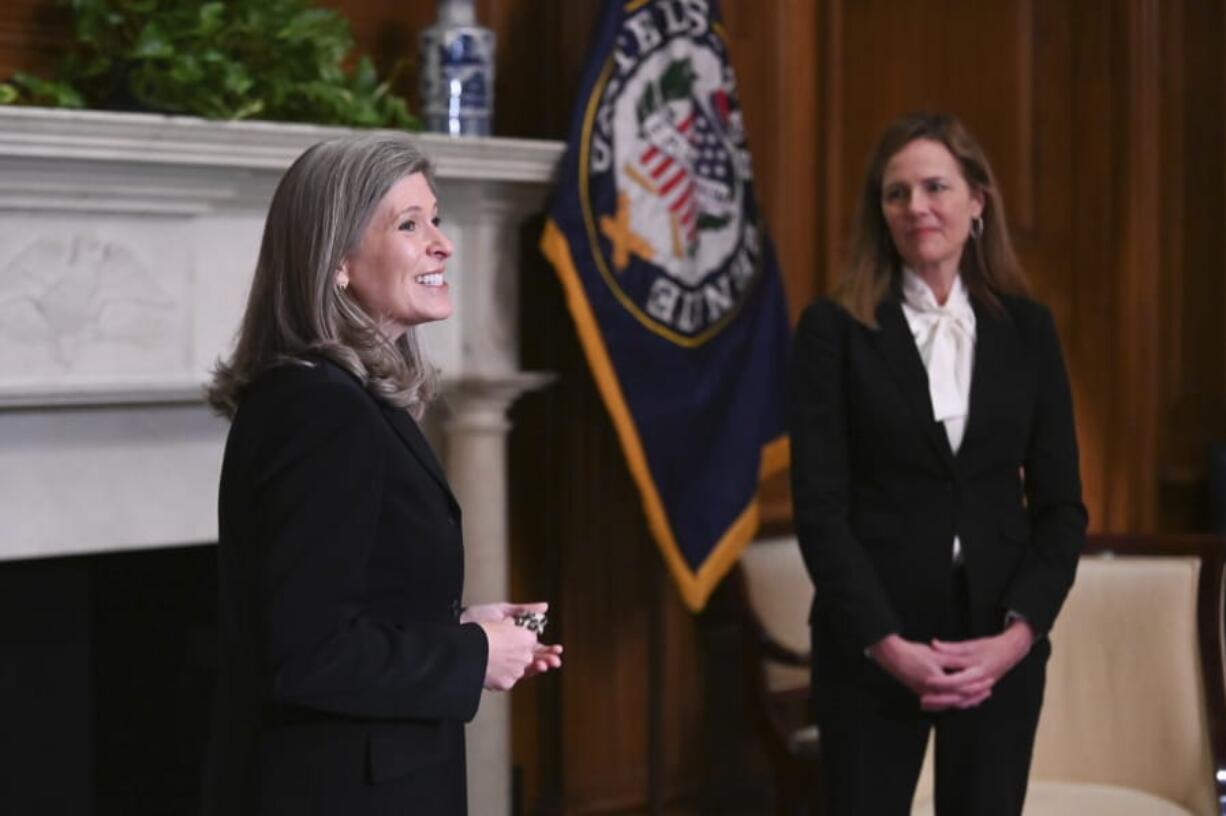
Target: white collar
(919, 296)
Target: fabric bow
(945, 336)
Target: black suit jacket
(345, 675)
(879, 494)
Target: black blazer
(879, 494)
(345, 675)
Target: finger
(974, 700)
(536, 606)
(977, 688)
(943, 681)
(947, 661)
(955, 647)
(494, 612)
(954, 683)
(527, 638)
(939, 702)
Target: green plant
(267, 59)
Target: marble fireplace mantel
(127, 244)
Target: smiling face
(928, 207)
(397, 269)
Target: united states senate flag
(655, 232)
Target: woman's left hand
(980, 663)
(546, 656)
(498, 612)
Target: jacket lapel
(407, 429)
(896, 344)
(995, 355)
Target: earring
(976, 227)
(342, 283)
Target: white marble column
(477, 469)
(486, 293)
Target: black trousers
(874, 734)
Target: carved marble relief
(85, 303)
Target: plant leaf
(152, 42)
(276, 59)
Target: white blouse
(945, 337)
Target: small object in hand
(532, 621)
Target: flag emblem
(671, 279)
(671, 206)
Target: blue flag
(656, 234)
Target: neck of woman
(939, 277)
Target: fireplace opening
(106, 681)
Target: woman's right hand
(940, 680)
(512, 652)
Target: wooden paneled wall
(1105, 123)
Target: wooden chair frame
(777, 715)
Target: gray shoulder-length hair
(317, 217)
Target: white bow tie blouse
(945, 337)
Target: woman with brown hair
(936, 487)
(348, 665)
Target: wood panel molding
(1024, 216)
(1131, 481)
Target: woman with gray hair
(348, 666)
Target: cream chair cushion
(1123, 715)
(1082, 799)
(780, 593)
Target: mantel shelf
(98, 136)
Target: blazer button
(456, 609)
(451, 519)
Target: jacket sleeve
(846, 582)
(318, 498)
(1053, 492)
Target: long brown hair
(874, 265)
(317, 217)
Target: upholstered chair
(1134, 714)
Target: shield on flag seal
(668, 188)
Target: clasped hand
(953, 674)
(514, 652)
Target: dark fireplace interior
(106, 666)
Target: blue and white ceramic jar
(457, 72)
